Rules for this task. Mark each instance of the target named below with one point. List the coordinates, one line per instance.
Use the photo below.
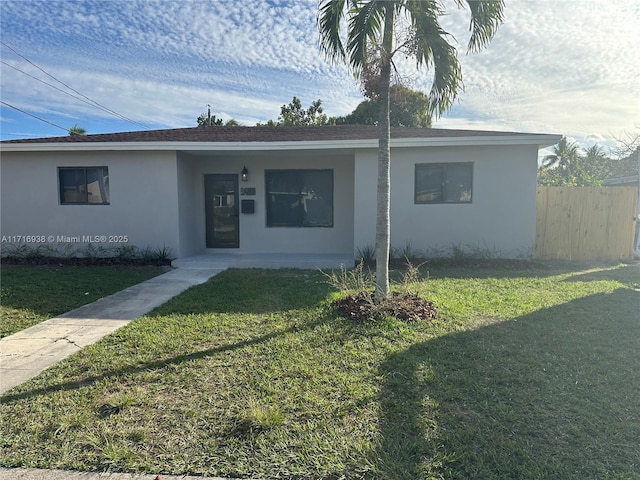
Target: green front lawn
(529, 373)
(31, 294)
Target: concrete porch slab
(265, 260)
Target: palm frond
(431, 48)
(486, 17)
(447, 77)
(365, 29)
(330, 15)
(427, 41)
(564, 155)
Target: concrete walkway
(28, 352)
(25, 354)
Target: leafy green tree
(625, 167)
(407, 108)
(551, 177)
(205, 121)
(383, 28)
(294, 114)
(568, 167)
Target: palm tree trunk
(383, 231)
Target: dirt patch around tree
(364, 306)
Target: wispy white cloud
(177, 56)
(565, 67)
(568, 67)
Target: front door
(221, 211)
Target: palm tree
(77, 130)
(564, 156)
(596, 164)
(371, 30)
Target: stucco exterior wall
(255, 236)
(191, 230)
(500, 220)
(157, 199)
(143, 200)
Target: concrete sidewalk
(28, 352)
(37, 474)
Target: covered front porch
(287, 202)
(222, 261)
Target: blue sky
(569, 67)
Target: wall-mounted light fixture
(244, 175)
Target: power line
(88, 100)
(21, 135)
(34, 116)
(93, 102)
(46, 83)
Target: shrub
(77, 254)
(366, 255)
(351, 281)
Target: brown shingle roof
(262, 134)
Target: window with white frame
(443, 183)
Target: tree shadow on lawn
(553, 394)
(145, 367)
(234, 291)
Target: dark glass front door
(221, 211)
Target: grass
(529, 373)
(31, 294)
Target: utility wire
(46, 83)
(60, 90)
(34, 116)
(87, 99)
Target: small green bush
(90, 253)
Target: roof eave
(540, 140)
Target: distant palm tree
(564, 156)
(77, 130)
(594, 153)
(592, 167)
(371, 31)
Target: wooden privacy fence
(586, 223)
